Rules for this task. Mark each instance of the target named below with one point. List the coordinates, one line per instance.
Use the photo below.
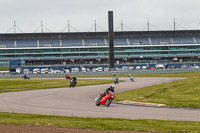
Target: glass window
(65, 50)
(28, 50)
(2, 51)
(119, 49)
(11, 51)
(93, 49)
(83, 49)
(38, 50)
(73, 50)
(102, 49)
(19, 51)
(146, 48)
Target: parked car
(137, 67)
(84, 70)
(100, 69)
(160, 66)
(144, 67)
(36, 71)
(152, 68)
(131, 68)
(106, 69)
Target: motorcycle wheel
(97, 102)
(108, 102)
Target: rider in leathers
(74, 78)
(111, 88)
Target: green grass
(9, 85)
(181, 93)
(4, 68)
(101, 123)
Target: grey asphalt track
(79, 101)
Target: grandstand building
(81, 48)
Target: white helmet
(112, 86)
(129, 74)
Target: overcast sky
(83, 13)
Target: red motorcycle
(67, 76)
(106, 100)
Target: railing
(106, 64)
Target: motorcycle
(67, 76)
(116, 80)
(72, 83)
(106, 100)
(132, 79)
(26, 77)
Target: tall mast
(95, 26)
(121, 25)
(68, 26)
(41, 26)
(14, 27)
(174, 24)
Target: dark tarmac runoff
(79, 101)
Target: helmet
(113, 73)
(129, 74)
(112, 86)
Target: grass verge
(8, 85)
(4, 68)
(101, 123)
(181, 93)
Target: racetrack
(80, 102)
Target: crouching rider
(111, 88)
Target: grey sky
(82, 14)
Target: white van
(144, 67)
(76, 70)
(159, 66)
(106, 69)
(67, 71)
(131, 68)
(73, 70)
(43, 71)
(97, 69)
(100, 69)
(94, 70)
(36, 71)
(137, 67)
(84, 69)
(26, 71)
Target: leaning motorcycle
(132, 79)
(26, 77)
(106, 100)
(72, 83)
(116, 80)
